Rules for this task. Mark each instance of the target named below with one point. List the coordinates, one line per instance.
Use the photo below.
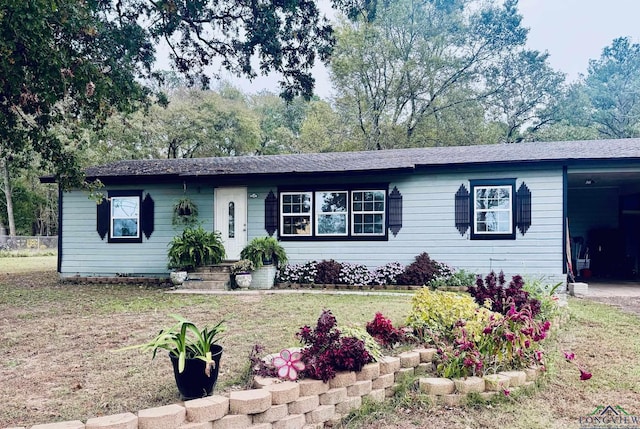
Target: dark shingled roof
(395, 159)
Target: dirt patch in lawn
(625, 303)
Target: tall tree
(82, 60)
(613, 87)
(280, 121)
(527, 90)
(194, 123)
(419, 57)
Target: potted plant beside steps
(194, 248)
(241, 272)
(266, 254)
(195, 355)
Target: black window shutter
(147, 216)
(102, 218)
(463, 212)
(395, 211)
(523, 208)
(271, 213)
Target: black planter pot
(193, 382)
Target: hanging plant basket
(185, 212)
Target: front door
(230, 219)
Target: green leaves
(195, 247)
(262, 249)
(185, 341)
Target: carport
(603, 212)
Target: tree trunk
(7, 193)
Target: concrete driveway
(613, 289)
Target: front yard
(58, 361)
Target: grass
(57, 354)
(58, 362)
(23, 262)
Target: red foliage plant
(327, 352)
(383, 331)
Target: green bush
(194, 248)
(460, 278)
(438, 312)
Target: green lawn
(24, 264)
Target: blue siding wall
(84, 253)
(428, 226)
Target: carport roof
(381, 160)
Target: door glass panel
(232, 220)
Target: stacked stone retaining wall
(308, 404)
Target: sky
(572, 31)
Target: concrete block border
(308, 404)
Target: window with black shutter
(124, 217)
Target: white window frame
(363, 212)
(133, 213)
(319, 213)
(308, 214)
(477, 211)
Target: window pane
(232, 220)
(296, 203)
(296, 225)
(125, 217)
(331, 202)
(332, 224)
(368, 210)
(125, 228)
(125, 207)
(493, 209)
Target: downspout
(565, 213)
(60, 223)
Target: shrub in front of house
(384, 332)
(387, 274)
(328, 272)
(437, 313)
(420, 272)
(354, 274)
(423, 271)
(298, 273)
(453, 278)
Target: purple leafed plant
(501, 296)
(327, 352)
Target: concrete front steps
(210, 277)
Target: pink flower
(506, 392)
(584, 375)
(569, 356)
(288, 364)
(538, 355)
